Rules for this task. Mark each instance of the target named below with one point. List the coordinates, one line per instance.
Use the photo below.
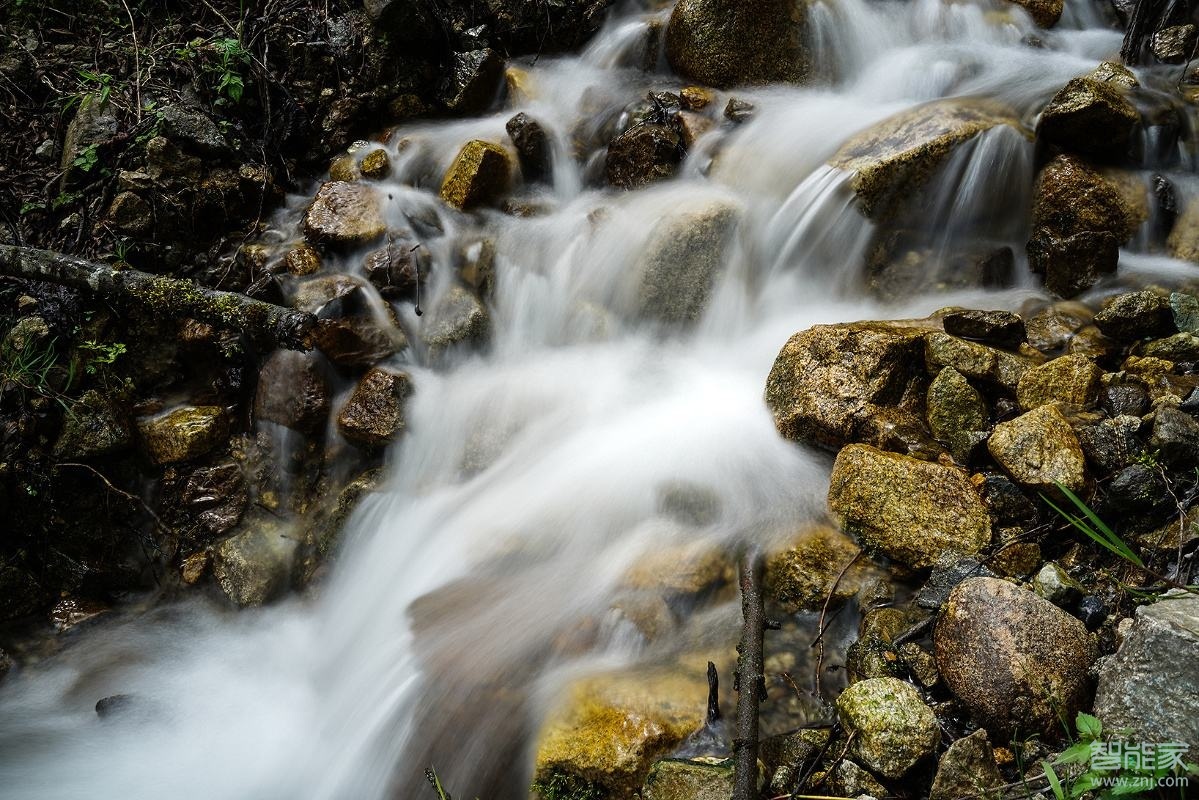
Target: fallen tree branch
(164, 296)
(750, 683)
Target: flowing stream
(530, 477)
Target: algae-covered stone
(95, 427)
(892, 727)
(955, 407)
(254, 567)
(727, 43)
(458, 318)
(975, 361)
(681, 779)
(374, 414)
(833, 384)
(894, 159)
(967, 769)
(682, 260)
(1090, 117)
(910, 510)
(183, 434)
(606, 732)
(1045, 13)
(1136, 315)
(1017, 662)
(376, 165)
(478, 176)
(804, 575)
(345, 214)
(1071, 379)
(1040, 449)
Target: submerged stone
(805, 575)
(682, 260)
(254, 567)
(643, 155)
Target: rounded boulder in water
(727, 43)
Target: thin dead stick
(823, 613)
(164, 296)
(137, 62)
(131, 497)
(749, 683)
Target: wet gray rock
(354, 343)
(908, 509)
(1148, 686)
(967, 769)
(739, 110)
(1111, 444)
(1185, 308)
(254, 567)
(472, 82)
(1006, 502)
(643, 155)
(534, 150)
(184, 433)
(1179, 347)
(1136, 315)
(726, 43)
(189, 125)
(96, 426)
(949, 570)
(397, 271)
(344, 213)
(682, 260)
(1119, 398)
(292, 391)
(94, 125)
(1137, 487)
(1089, 117)
(835, 384)
(1055, 585)
(894, 729)
(458, 319)
(1038, 449)
(1176, 437)
(1016, 661)
(373, 416)
(997, 328)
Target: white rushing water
(572, 423)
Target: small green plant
(1107, 767)
(63, 199)
(1089, 523)
(558, 785)
(28, 369)
(87, 158)
(435, 782)
(232, 57)
(96, 88)
(101, 354)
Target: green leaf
(1079, 753)
(1054, 783)
(1088, 726)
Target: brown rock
(292, 392)
(374, 414)
(478, 176)
(183, 434)
(345, 214)
(1039, 449)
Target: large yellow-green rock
(478, 176)
(606, 731)
(975, 361)
(893, 160)
(955, 407)
(1039, 449)
(344, 213)
(1073, 380)
(685, 779)
(892, 728)
(909, 510)
(728, 43)
(802, 576)
(183, 434)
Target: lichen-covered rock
(292, 391)
(344, 213)
(1136, 315)
(95, 427)
(955, 407)
(892, 728)
(1179, 347)
(375, 165)
(183, 434)
(1148, 686)
(908, 509)
(682, 261)
(1045, 13)
(975, 361)
(1040, 448)
(834, 384)
(996, 328)
(254, 567)
(1089, 117)
(459, 318)
(302, 260)
(967, 769)
(804, 575)
(374, 414)
(726, 43)
(608, 730)
(1073, 380)
(1016, 661)
(682, 779)
(478, 176)
(894, 159)
(26, 334)
(1185, 308)
(643, 155)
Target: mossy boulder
(1089, 117)
(1136, 315)
(909, 510)
(1039, 449)
(805, 574)
(955, 408)
(1073, 380)
(686, 779)
(892, 728)
(1017, 662)
(184, 433)
(975, 361)
(726, 43)
(373, 416)
(682, 260)
(95, 427)
(344, 213)
(457, 319)
(606, 732)
(893, 160)
(478, 176)
(835, 384)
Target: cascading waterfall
(529, 480)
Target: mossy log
(264, 323)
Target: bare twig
(131, 497)
(820, 628)
(750, 683)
